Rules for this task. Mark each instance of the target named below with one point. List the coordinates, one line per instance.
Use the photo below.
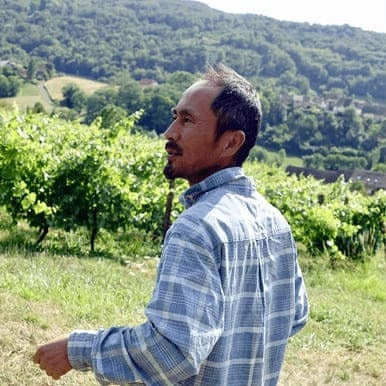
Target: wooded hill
(318, 83)
(99, 39)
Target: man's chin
(169, 172)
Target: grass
(24, 102)
(29, 89)
(47, 293)
(345, 339)
(273, 157)
(30, 93)
(45, 296)
(54, 86)
(293, 161)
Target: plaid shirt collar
(224, 176)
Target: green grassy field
(47, 292)
(29, 95)
(51, 90)
(273, 157)
(293, 161)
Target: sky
(369, 15)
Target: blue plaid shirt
(229, 293)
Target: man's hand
(52, 358)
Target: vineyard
(58, 174)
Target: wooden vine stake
(168, 209)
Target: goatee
(168, 171)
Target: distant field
(47, 92)
(54, 86)
(29, 90)
(294, 161)
(23, 102)
(272, 157)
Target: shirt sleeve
(185, 319)
(301, 302)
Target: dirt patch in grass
(333, 367)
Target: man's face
(193, 152)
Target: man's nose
(171, 132)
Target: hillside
(323, 88)
(101, 39)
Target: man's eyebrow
(174, 111)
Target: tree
(336, 161)
(304, 127)
(180, 80)
(315, 161)
(352, 132)
(328, 126)
(9, 86)
(276, 62)
(275, 137)
(38, 108)
(31, 69)
(112, 115)
(4, 86)
(130, 96)
(98, 101)
(158, 104)
(277, 113)
(74, 97)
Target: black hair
(237, 107)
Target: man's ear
(233, 142)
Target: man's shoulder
(197, 224)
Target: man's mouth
(173, 150)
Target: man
(229, 291)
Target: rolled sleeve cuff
(79, 349)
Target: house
(148, 82)
(372, 181)
(297, 101)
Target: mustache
(173, 147)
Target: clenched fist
(52, 358)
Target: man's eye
(187, 119)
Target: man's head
(237, 107)
(214, 126)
